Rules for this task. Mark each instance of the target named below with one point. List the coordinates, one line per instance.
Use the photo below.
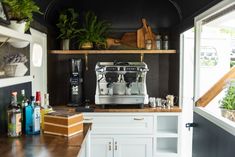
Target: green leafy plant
(94, 31)
(22, 10)
(68, 24)
(228, 102)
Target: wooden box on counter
(63, 123)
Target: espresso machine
(76, 81)
(121, 83)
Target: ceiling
(126, 14)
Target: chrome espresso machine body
(121, 83)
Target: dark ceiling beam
(178, 9)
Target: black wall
(209, 140)
(5, 100)
(165, 16)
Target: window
(37, 55)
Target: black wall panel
(157, 77)
(5, 99)
(209, 140)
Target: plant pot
(65, 44)
(229, 114)
(15, 69)
(87, 45)
(18, 26)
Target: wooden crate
(63, 123)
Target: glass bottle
(148, 44)
(158, 42)
(165, 43)
(14, 116)
(36, 114)
(22, 101)
(28, 116)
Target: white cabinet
(167, 137)
(121, 124)
(133, 147)
(101, 147)
(134, 134)
(121, 147)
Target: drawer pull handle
(88, 118)
(110, 146)
(116, 146)
(138, 118)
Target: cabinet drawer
(123, 124)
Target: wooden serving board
(129, 39)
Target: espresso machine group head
(121, 83)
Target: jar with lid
(148, 44)
(158, 42)
(165, 43)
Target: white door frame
(41, 38)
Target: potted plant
(15, 64)
(68, 27)
(228, 102)
(20, 13)
(94, 33)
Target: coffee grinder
(76, 83)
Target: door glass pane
(217, 52)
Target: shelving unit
(8, 35)
(67, 52)
(14, 80)
(167, 135)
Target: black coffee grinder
(76, 83)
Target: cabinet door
(133, 147)
(101, 147)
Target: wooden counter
(123, 109)
(43, 145)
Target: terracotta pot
(229, 114)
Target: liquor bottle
(22, 101)
(37, 114)
(38, 98)
(14, 117)
(28, 116)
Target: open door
(214, 57)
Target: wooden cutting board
(145, 33)
(129, 39)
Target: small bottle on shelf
(165, 43)
(158, 42)
(14, 116)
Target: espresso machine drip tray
(120, 83)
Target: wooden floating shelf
(67, 52)
(99, 52)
